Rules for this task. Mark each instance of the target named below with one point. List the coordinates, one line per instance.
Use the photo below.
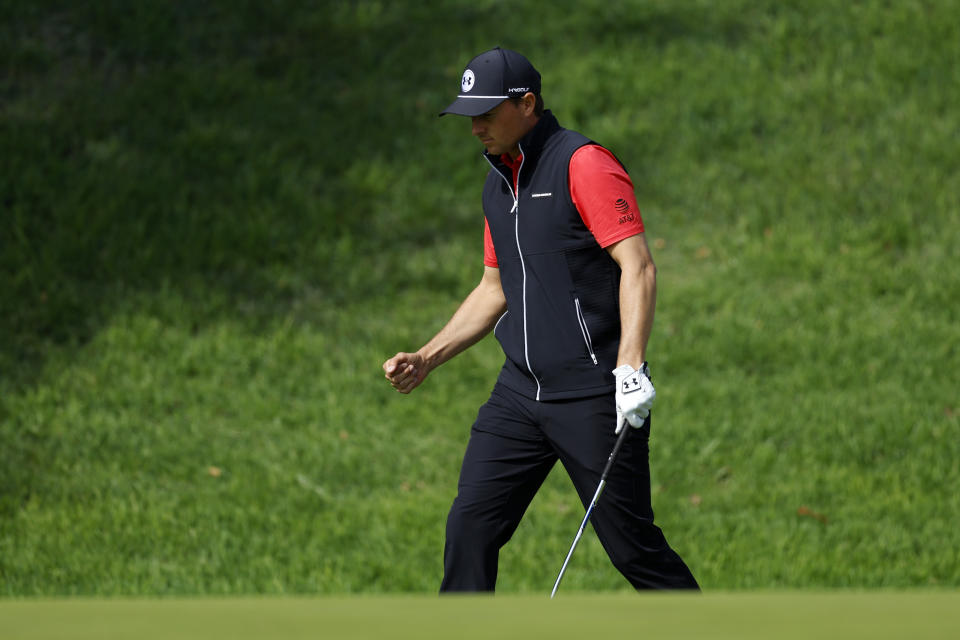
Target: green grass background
(218, 219)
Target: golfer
(568, 288)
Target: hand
(405, 371)
(634, 395)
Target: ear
(527, 104)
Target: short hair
(537, 107)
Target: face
(501, 128)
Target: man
(568, 289)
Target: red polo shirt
(602, 192)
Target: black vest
(561, 331)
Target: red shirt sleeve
(603, 194)
(489, 255)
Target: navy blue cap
(492, 77)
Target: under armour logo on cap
(466, 83)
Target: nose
(476, 126)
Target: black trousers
(513, 446)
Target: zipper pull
(515, 204)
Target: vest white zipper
(523, 267)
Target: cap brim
(473, 105)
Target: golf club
(593, 503)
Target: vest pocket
(584, 330)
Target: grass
(218, 220)
(741, 616)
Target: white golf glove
(634, 395)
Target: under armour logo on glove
(630, 383)
(635, 407)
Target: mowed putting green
(846, 615)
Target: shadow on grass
(228, 147)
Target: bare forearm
(638, 299)
(474, 319)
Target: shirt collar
(514, 165)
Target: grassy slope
(218, 222)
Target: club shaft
(593, 503)
(583, 525)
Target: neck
(530, 124)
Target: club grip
(616, 449)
